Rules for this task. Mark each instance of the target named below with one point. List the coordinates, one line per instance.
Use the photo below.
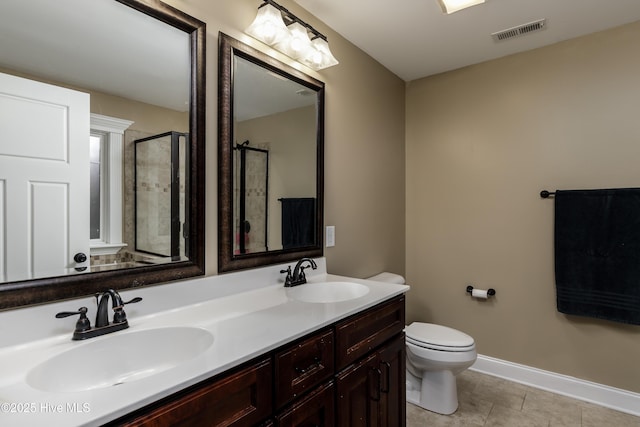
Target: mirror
(271, 157)
(81, 85)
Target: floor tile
(501, 416)
(489, 401)
(418, 417)
(501, 392)
(560, 410)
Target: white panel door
(44, 179)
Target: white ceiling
(97, 44)
(258, 92)
(414, 38)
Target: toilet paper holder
(490, 292)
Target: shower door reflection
(250, 185)
(160, 203)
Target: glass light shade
(450, 6)
(268, 27)
(298, 44)
(320, 55)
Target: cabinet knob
(79, 257)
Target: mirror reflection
(81, 84)
(274, 161)
(270, 162)
(160, 196)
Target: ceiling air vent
(520, 30)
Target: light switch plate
(331, 236)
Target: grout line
(489, 414)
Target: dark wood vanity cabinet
(315, 410)
(349, 374)
(359, 334)
(371, 392)
(393, 389)
(242, 398)
(302, 366)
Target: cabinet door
(315, 410)
(392, 384)
(240, 399)
(358, 389)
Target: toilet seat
(438, 337)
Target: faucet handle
(288, 271)
(289, 278)
(119, 316)
(136, 299)
(302, 277)
(83, 323)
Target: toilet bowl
(435, 355)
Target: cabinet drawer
(240, 399)
(357, 336)
(316, 409)
(302, 366)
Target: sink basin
(119, 358)
(328, 292)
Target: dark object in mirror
(256, 88)
(42, 289)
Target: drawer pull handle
(316, 364)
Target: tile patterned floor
(490, 401)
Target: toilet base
(436, 391)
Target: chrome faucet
(298, 277)
(102, 326)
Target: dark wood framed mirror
(135, 22)
(270, 159)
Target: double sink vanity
(238, 347)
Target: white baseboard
(610, 397)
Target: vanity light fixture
(450, 6)
(275, 26)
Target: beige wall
(482, 142)
(146, 117)
(364, 144)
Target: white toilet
(435, 355)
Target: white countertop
(248, 313)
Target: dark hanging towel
(298, 222)
(597, 253)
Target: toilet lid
(438, 336)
